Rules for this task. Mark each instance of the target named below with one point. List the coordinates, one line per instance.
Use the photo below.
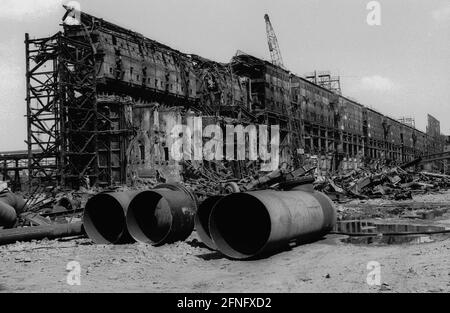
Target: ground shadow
(305, 240)
(196, 243)
(212, 256)
(283, 248)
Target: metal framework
(79, 118)
(114, 129)
(12, 165)
(274, 47)
(61, 110)
(81, 137)
(410, 121)
(43, 115)
(325, 80)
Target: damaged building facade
(102, 102)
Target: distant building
(434, 127)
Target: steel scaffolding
(43, 111)
(61, 110)
(79, 118)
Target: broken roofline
(93, 22)
(88, 19)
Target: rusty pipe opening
(202, 220)
(240, 225)
(104, 219)
(149, 218)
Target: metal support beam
(42, 99)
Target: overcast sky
(401, 68)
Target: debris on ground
(389, 183)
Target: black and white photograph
(224, 152)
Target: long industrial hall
(210, 166)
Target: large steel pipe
(202, 220)
(247, 225)
(8, 215)
(10, 206)
(162, 215)
(104, 218)
(40, 232)
(17, 202)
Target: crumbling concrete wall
(159, 132)
(149, 150)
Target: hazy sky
(401, 68)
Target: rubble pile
(212, 178)
(157, 212)
(389, 183)
(50, 205)
(390, 209)
(43, 212)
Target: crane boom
(274, 48)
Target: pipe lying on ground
(17, 202)
(8, 236)
(10, 206)
(202, 220)
(162, 215)
(105, 217)
(247, 225)
(8, 215)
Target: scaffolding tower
(61, 111)
(76, 137)
(43, 110)
(79, 116)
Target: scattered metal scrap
(411, 210)
(45, 212)
(390, 183)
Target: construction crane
(274, 48)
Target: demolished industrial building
(102, 101)
(106, 105)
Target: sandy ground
(328, 265)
